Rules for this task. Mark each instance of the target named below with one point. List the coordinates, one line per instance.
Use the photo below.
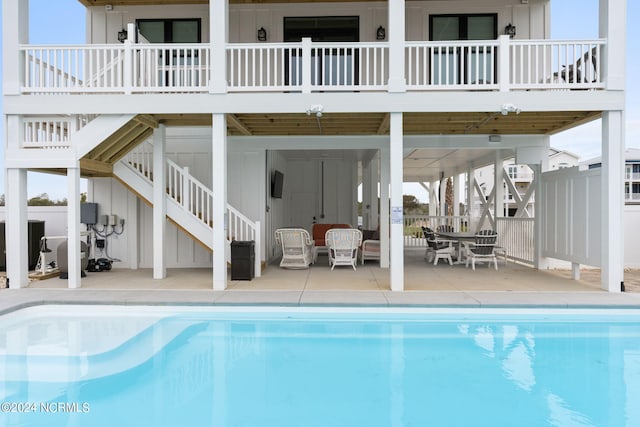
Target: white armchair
(297, 247)
(343, 244)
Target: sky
(567, 22)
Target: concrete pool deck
(425, 286)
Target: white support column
(374, 178)
(504, 63)
(16, 228)
(442, 189)
(132, 230)
(539, 261)
(456, 195)
(613, 28)
(384, 208)
(612, 201)
(219, 36)
(366, 196)
(397, 226)
(498, 186)
(73, 228)
(397, 81)
(15, 27)
(159, 203)
(433, 199)
(219, 170)
(471, 179)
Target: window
(170, 30)
(329, 66)
(458, 65)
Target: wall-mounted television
(277, 183)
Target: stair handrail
(180, 183)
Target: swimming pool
(179, 366)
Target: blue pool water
(99, 366)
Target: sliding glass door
(329, 66)
(463, 64)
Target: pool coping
(15, 299)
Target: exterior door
(338, 66)
(463, 64)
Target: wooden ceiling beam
(146, 120)
(233, 120)
(95, 167)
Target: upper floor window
(170, 30)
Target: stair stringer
(198, 230)
(96, 131)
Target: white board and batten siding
(571, 215)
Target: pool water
(318, 367)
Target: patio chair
(482, 249)
(342, 245)
(437, 248)
(370, 248)
(581, 71)
(297, 247)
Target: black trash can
(243, 260)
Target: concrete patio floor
(425, 285)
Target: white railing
(171, 68)
(452, 65)
(188, 192)
(520, 176)
(192, 195)
(632, 176)
(47, 132)
(71, 69)
(413, 235)
(50, 132)
(632, 197)
(345, 66)
(140, 159)
(517, 236)
(546, 64)
(306, 66)
(267, 67)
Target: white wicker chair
(342, 245)
(297, 247)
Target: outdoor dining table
(459, 236)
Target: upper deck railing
(313, 67)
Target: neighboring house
(522, 177)
(631, 174)
(189, 110)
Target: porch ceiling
(458, 123)
(419, 164)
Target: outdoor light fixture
(510, 30)
(509, 108)
(495, 138)
(122, 35)
(317, 109)
(381, 34)
(262, 34)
